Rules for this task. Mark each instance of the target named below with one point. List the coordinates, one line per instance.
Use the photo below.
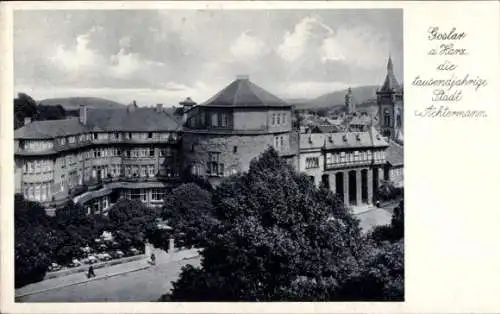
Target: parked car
(103, 257)
(75, 263)
(55, 267)
(134, 251)
(117, 254)
(91, 259)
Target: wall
(250, 119)
(197, 146)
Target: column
(346, 187)
(380, 175)
(331, 180)
(359, 199)
(369, 181)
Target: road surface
(140, 286)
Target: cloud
(360, 46)
(170, 53)
(247, 46)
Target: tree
(188, 209)
(381, 276)
(33, 241)
(131, 221)
(278, 238)
(75, 229)
(394, 231)
(24, 106)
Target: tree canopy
(278, 237)
(131, 221)
(33, 241)
(188, 210)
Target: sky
(164, 56)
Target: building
(99, 157)
(350, 164)
(226, 132)
(390, 106)
(140, 153)
(350, 106)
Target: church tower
(348, 102)
(390, 106)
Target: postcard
(239, 157)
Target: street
(143, 285)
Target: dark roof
(50, 129)
(137, 119)
(395, 154)
(390, 83)
(243, 93)
(341, 140)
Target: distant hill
(363, 96)
(73, 103)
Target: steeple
(348, 101)
(390, 83)
(389, 65)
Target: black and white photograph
(215, 155)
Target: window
(276, 143)
(342, 157)
(274, 119)
(151, 170)
(150, 135)
(95, 136)
(312, 162)
(278, 118)
(214, 168)
(151, 152)
(156, 194)
(225, 120)
(117, 135)
(143, 171)
(387, 117)
(284, 118)
(281, 142)
(214, 119)
(235, 149)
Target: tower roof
(243, 93)
(390, 83)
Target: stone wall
(236, 151)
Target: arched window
(387, 117)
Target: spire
(390, 83)
(389, 64)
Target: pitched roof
(243, 93)
(50, 129)
(390, 82)
(342, 140)
(395, 154)
(139, 119)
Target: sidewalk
(102, 273)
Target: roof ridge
(235, 98)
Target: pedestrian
(91, 272)
(153, 258)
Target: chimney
(132, 106)
(27, 120)
(159, 107)
(83, 114)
